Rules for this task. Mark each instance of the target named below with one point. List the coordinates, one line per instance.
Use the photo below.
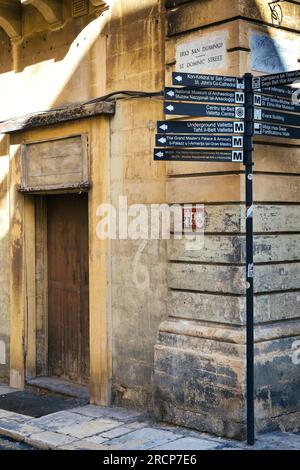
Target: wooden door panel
(85, 325)
(55, 343)
(71, 327)
(68, 315)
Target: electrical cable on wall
(109, 97)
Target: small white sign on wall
(204, 54)
(273, 55)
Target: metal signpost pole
(179, 139)
(248, 162)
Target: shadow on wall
(6, 60)
(56, 63)
(4, 271)
(51, 68)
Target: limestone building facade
(143, 323)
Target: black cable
(129, 93)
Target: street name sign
(208, 110)
(272, 130)
(201, 127)
(277, 117)
(275, 80)
(197, 155)
(205, 141)
(207, 81)
(276, 103)
(205, 96)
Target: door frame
(70, 202)
(22, 259)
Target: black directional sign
(194, 155)
(201, 127)
(277, 117)
(272, 110)
(191, 109)
(272, 102)
(277, 79)
(207, 81)
(205, 141)
(280, 92)
(272, 130)
(205, 96)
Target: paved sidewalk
(9, 444)
(92, 427)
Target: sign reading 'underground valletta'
(201, 127)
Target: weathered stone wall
(4, 272)
(47, 67)
(88, 57)
(200, 353)
(135, 54)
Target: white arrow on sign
(170, 93)
(159, 154)
(170, 107)
(164, 127)
(178, 78)
(163, 140)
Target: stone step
(60, 386)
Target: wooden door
(68, 305)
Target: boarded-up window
(56, 164)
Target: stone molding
(51, 10)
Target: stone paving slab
(189, 443)
(83, 444)
(279, 441)
(97, 428)
(89, 428)
(142, 439)
(97, 439)
(10, 415)
(15, 429)
(120, 414)
(9, 444)
(121, 430)
(48, 440)
(59, 420)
